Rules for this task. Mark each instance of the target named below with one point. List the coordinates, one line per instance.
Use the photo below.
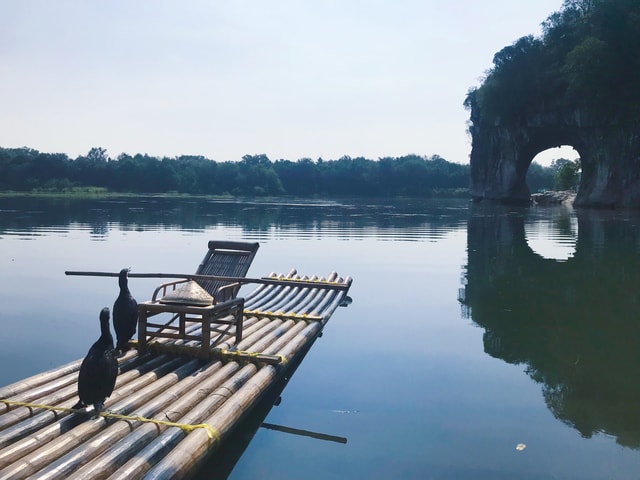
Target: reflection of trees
(574, 324)
(25, 213)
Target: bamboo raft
(171, 408)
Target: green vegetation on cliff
(587, 56)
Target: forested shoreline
(28, 170)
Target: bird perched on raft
(99, 369)
(125, 313)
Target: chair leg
(142, 331)
(239, 320)
(206, 337)
(183, 325)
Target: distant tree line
(26, 169)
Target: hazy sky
(288, 78)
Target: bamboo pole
(39, 379)
(262, 289)
(193, 276)
(65, 398)
(266, 329)
(143, 459)
(299, 301)
(278, 295)
(31, 395)
(18, 414)
(136, 454)
(58, 446)
(83, 453)
(161, 406)
(272, 295)
(63, 389)
(304, 306)
(122, 399)
(304, 433)
(325, 306)
(331, 307)
(150, 455)
(285, 337)
(64, 421)
(191, 452)
(280, 328)
(135, 366)
(127, 442)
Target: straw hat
(188, 294)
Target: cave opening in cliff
(557, 168)
(546, 157)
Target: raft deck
(171, 408)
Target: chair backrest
(227, 259)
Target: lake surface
(482, 342)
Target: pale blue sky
(290, 79)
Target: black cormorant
(99, 369)
(125, 314)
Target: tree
(259, 176)
(98, 154)
(540, 178)
(567, 176)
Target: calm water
(472, 329)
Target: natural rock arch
(577, 85)
(502, 152)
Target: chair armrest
(225, 292)
(229, 305)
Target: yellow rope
(212, 433)
(37, 405)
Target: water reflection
(574, 323)
(571, 323)
(409, 219)
(554, 234)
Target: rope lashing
(221, 353)
(247, 355)
(212, 433)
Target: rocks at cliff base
(553, 197)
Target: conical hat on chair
(188, 294)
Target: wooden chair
(212, 302)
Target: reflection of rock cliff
(575, 324)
